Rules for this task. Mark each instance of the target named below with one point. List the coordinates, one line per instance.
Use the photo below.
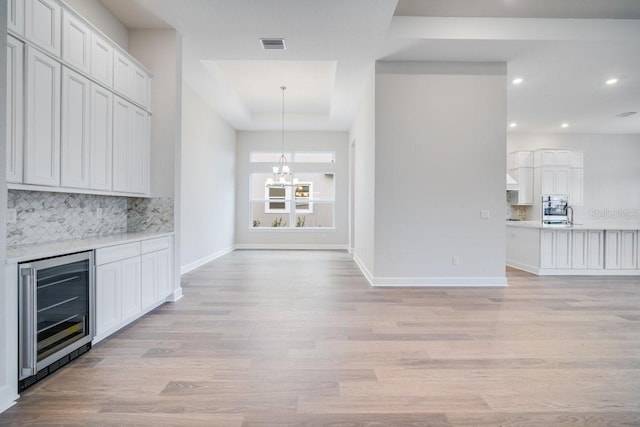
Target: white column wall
(439, 162)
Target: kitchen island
(580, 249)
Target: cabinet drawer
(117, 253)
(152, 245)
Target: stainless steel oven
(55, 314)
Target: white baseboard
(524, 267)
(570, 271)
(439, 282)
(292, 246)
(202, 261)
(365, 271)
(175, 295)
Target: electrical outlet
(485, 214)
(455, 260)
(12, 216)
(99, 213)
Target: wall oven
(554, 209)
(55, 314)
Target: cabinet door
(580, 249)
(562, 158)
(561, 181)
(42, 165)
(108, 297)
(76, 42)
(15, 104)
(130, 288)
(165, 270)
(547, 249)
(101, 61)
(612, 259)
(563, 249)
(595, 260)
(548, 181)
(628, 248)
(76, 91)
(525, 181)
(100, 151)
(576, 197)
(139, 86)
(149, 280)
(138, 157)
(121, 119)
(42, 24)
(121, 71)
(15, 21)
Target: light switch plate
(485, 214)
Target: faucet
(570, 217)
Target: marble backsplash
(46, 217)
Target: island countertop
(591, 225)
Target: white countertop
(44, 250)
(593, 225)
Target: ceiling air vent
(272, 44)
(627, 114)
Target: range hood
(512, 184)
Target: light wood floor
(299, 338)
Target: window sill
(293, 230)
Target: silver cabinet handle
(29, 320)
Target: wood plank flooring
(285, 338)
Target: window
(307, 205)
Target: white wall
(440, 160)
(611, 169)
(247, 236)
(208, 182)
(99, 16)
(362, 135)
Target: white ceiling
(564, 50)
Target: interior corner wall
(266, 141)
(104, 20)
(439, 162)
(208, 183)
(363, 138)
(611, 171)
(160, 51)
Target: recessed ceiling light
(513, 124)
(564, 125)
(517, 80)
(611, 81)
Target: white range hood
(512, 184)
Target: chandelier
(282, 176)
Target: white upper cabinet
(43, 24)
(42, 139)
(121, 69)
(130, 148)
(139, 86)
(130, 80)
(76, 42)
(15, 108)
(15, 14)
(76, 91)
(552, 158)
(100, 140)
(101, 61)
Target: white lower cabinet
(131, 279)
(621, 248)
(587, 250)
(156, 271)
